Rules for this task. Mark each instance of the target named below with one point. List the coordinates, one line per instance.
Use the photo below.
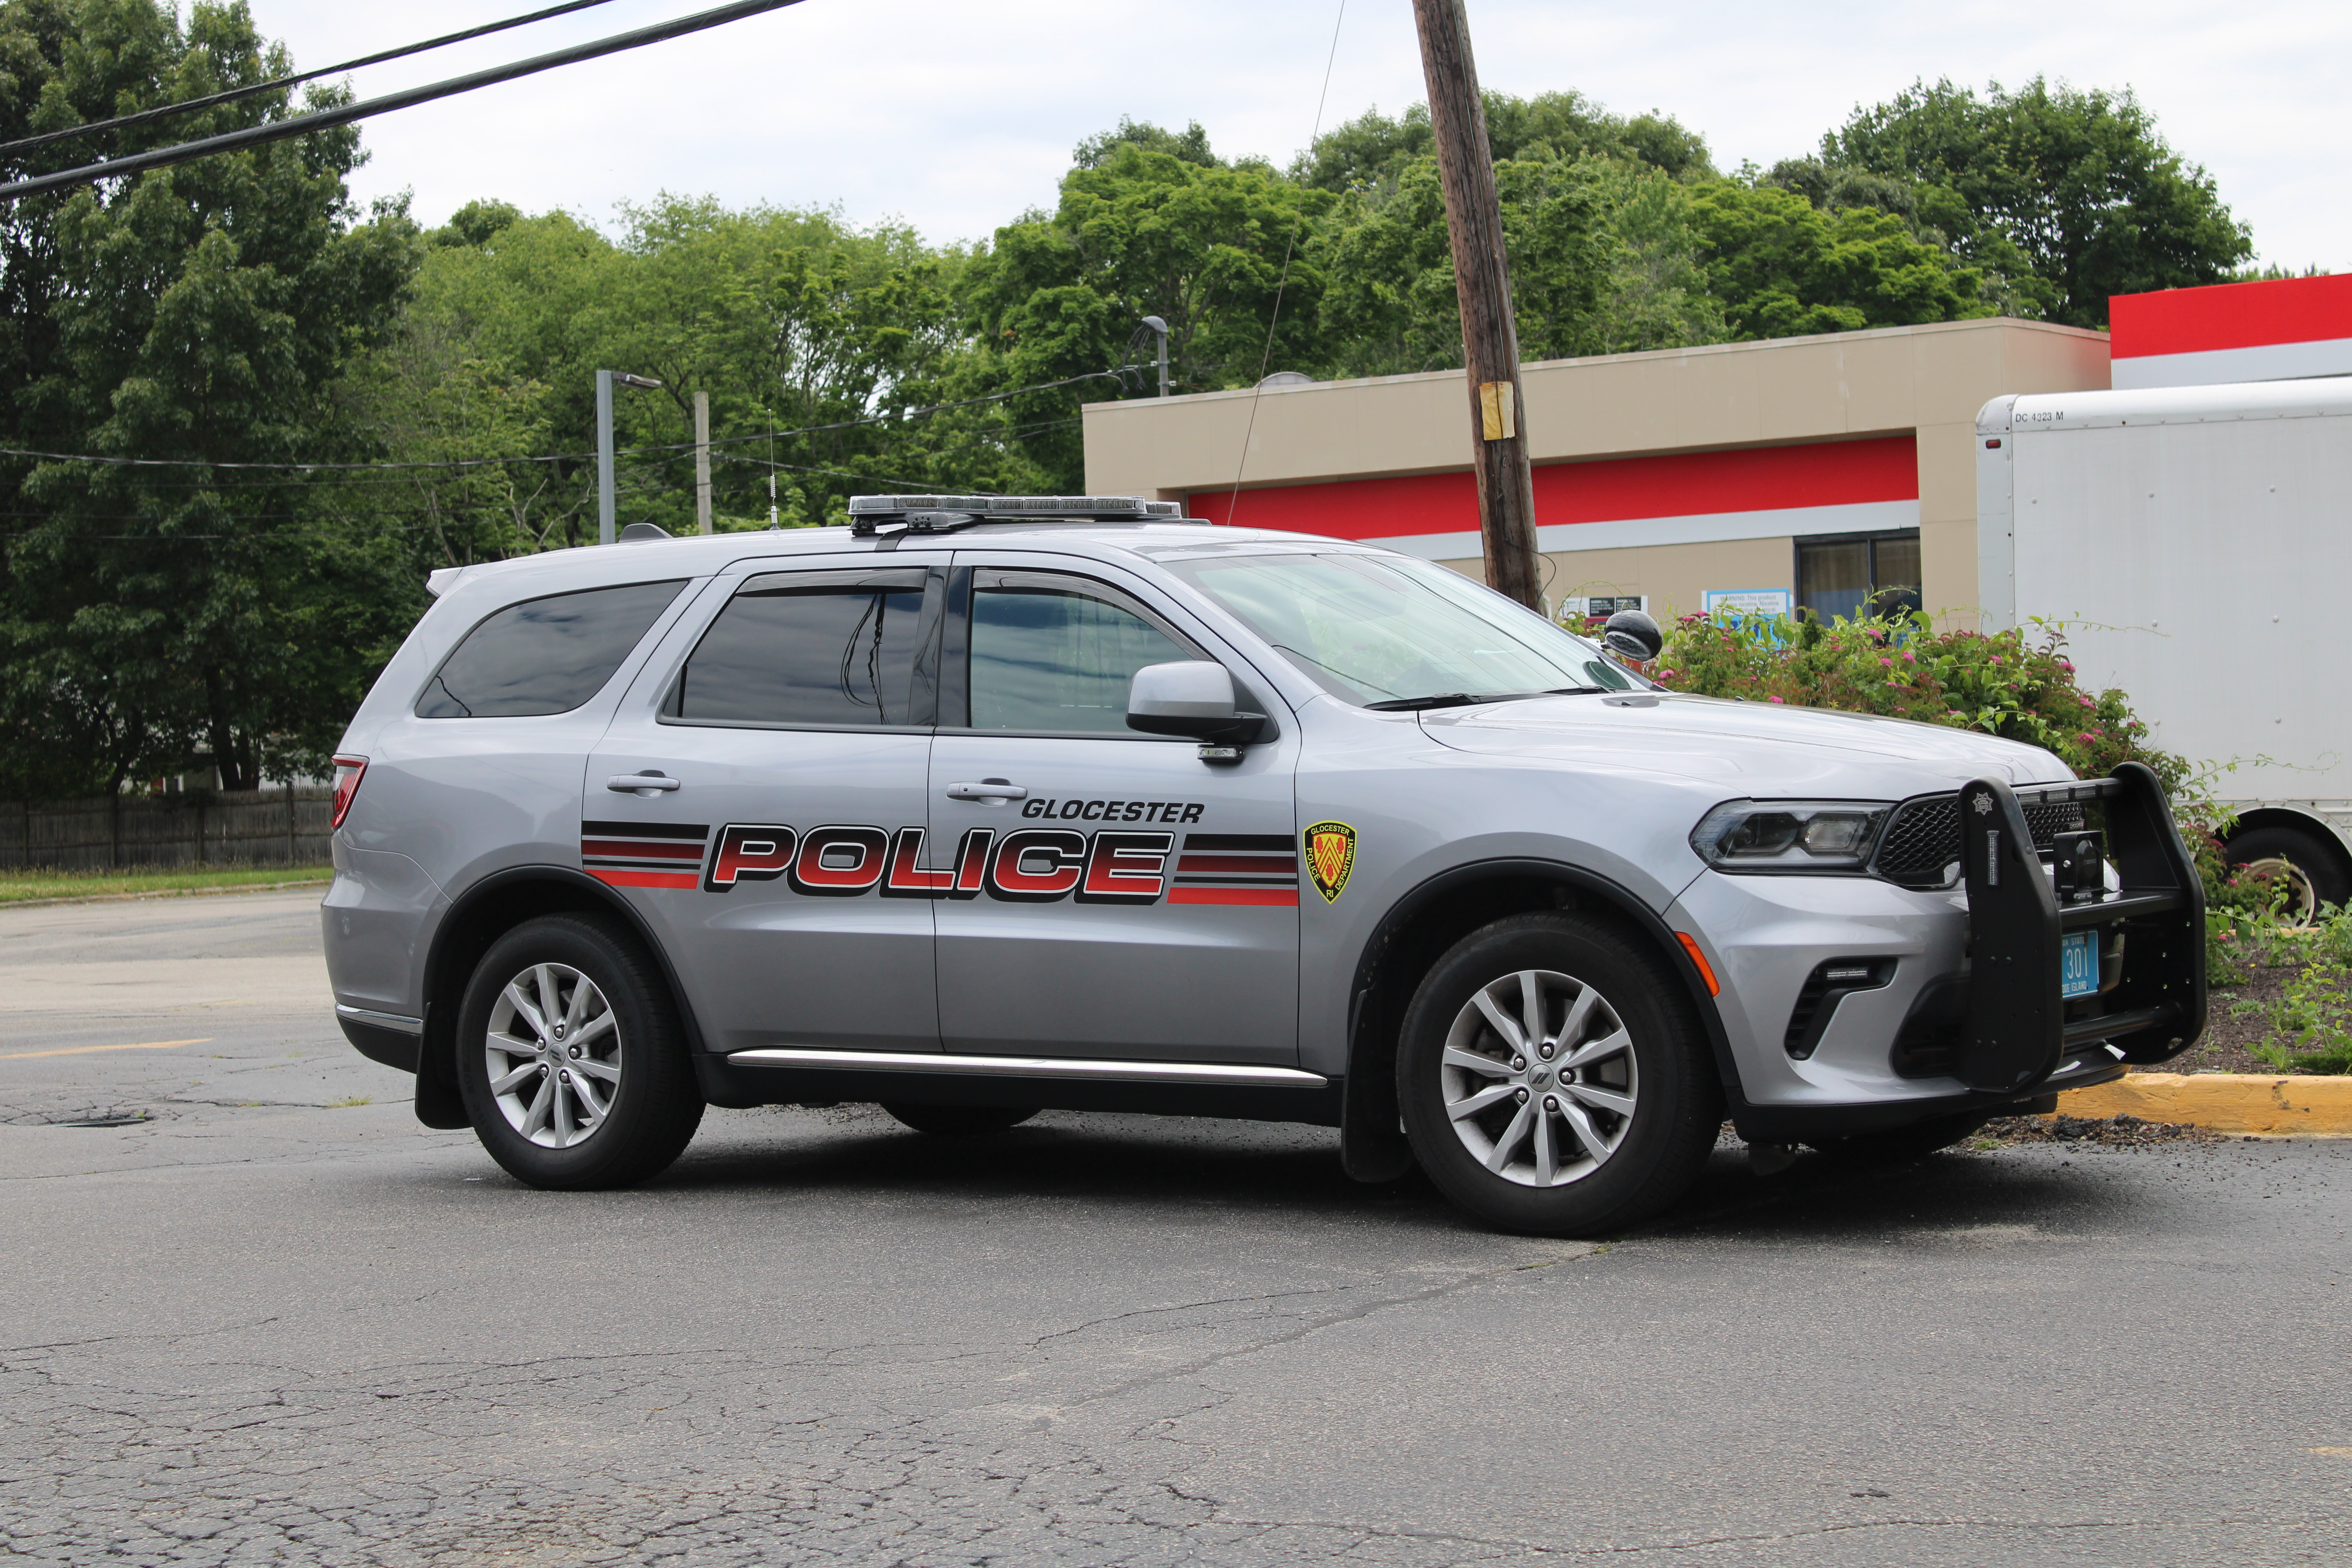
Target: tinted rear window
(544, 656)
(830, 651)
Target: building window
(1871, 574)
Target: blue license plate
(2078, 964)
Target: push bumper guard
(2019, 1029)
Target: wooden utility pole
(702, 462)
(1481, 277)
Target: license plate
(2078, 964)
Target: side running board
(1223, 1074)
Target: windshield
(1375, 630)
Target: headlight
(1807, 835)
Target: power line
(327, 118)
(233, 94)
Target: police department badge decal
(1331, 856)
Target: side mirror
(1632, 635)
(1195, 699)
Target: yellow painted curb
(2301, 1107)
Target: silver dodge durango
(984, 805)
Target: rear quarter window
(544, 656)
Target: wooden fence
(249, 827)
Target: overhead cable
(327, 118)
(233, 94)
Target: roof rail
(942, 514)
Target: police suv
(984, 805)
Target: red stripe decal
(1272, 896)
(2232, 316)
(625, 849)
(1619, 489)
(686, 879)
(1237, 866)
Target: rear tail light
(347, 784)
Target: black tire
(1665, 1068)
(1897, 1145)
(959, 1120)
(653, 1109)
(2320, 868)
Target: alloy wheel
(1538, 1079)
(553, 1051)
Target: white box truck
(2196, 544)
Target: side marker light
(1705, 970)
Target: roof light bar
(866, 512)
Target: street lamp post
(1160, 329)
(605, 382)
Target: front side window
(543, 656)
(1372, 629)
(1056, 653)
(810, 648)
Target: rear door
(753, 791)
(1114, 895)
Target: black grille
(1924, 838)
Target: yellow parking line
(79, 1050)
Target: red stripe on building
(1274, 897)
(645, 879)
(2231, 316)
(1619, 489)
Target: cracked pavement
(262, 1326)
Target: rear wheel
(570, 1056)
(1555, 1078)
(2309, 874)
(959, 1120)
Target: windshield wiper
(1466, 698)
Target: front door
(1114, 896)
(784, 760)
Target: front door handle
(993, 790)
(645, 784)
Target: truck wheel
(571, 1059)
(1896, 1144)
(1555, 1078)
(2310, 872)
(959, 1120)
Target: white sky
(954, 115)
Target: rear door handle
(647, 784)
(990, 789)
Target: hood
(1749, 748)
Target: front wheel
(571, 1059)
(1555, 1078)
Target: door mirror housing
(1195, 699)
(1632, 635)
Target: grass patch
(350, 1101)
(19, 887)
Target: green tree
(1390, 304)
(2063, 196)
(1371, 154)
(1783, 268)
(1147, 233)
(196, 319)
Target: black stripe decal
(644, 830)
(1255, 841)
(1237, 882)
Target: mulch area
(2228, 1032)
(2111, 1131)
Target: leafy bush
(2312, 1021)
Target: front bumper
(1926, 1038)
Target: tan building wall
(1927, 381)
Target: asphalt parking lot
(252, 1313)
